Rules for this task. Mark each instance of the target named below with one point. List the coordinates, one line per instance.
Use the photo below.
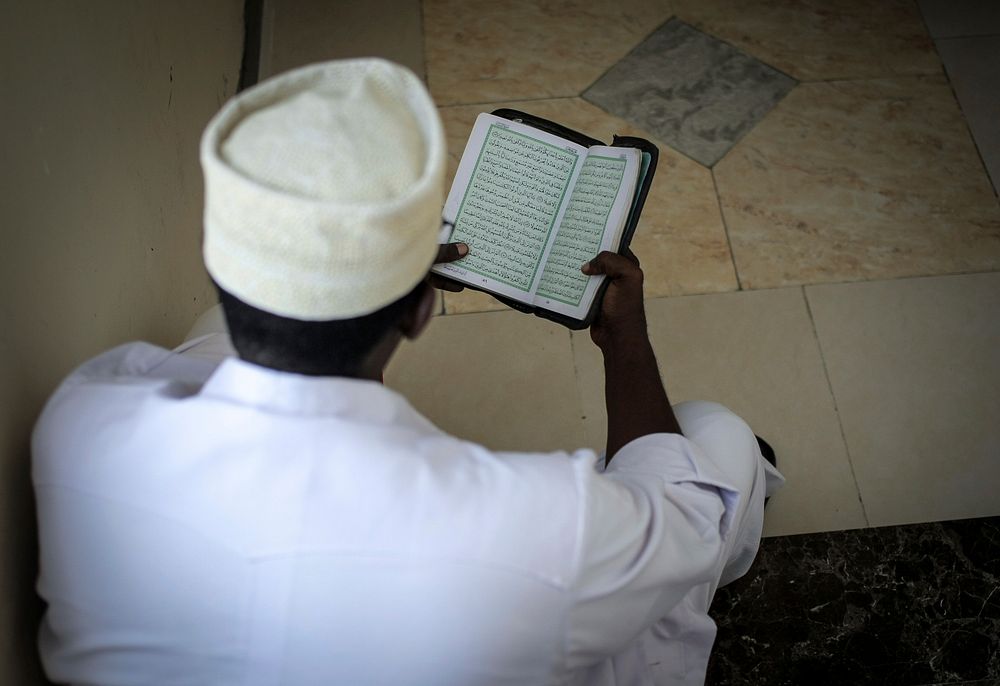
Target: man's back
(271, 527)
(277, 520)
(274, 528)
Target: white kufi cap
(323, 190)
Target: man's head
(322, 213)
(356, 347)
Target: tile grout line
(965, 37)
(861, 79)
(504, 101)
(628, 54)
(701, 294)
(725, 228)
(836, 407)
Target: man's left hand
(449, 252)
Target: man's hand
(449, 252)
(636, 401)
(622, 316)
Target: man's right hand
(622, 316)
(636, 400)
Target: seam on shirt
(191, 343)
(256, 558)
(134, 506)
(411, 557)
(582, 499)
(582, 496)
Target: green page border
(606, 215)
(486, 139)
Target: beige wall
(100, 203)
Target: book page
(510, 193)
(594, 218)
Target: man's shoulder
(137, 360)
(112, 385)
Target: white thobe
(206, 523)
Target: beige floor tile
(756, 353)
(856, 181)
(504, 379)
(915, 368)
(681, 240)
(484, 51)
(818, 39)
(469, 300)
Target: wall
(100, 216)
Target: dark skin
(636, 400)
(416, 318)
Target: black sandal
(768, 452)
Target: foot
(768, 452)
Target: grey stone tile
(973, 65)
(694, 92)
(949, 18)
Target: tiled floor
(705, 94)
(800, 246)
(822, 257)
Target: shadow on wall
(20, 609)
(101, 219)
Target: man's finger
(631, 255)
(449, 252)
(609, 263)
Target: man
(281, 517)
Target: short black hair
(335, 347)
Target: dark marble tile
(973, 67)
(902, 606)
(694, 92)
(950, 18)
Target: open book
(533, 206)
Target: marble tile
(914, 368)
(680, 240)
(754, 352)
(694, 92)
(973, 66)
(819, 40)
(950, 18)
(483, 51)
(503, 379)
(859, 180)
(469, 300)
(893, 606)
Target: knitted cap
(323, 189)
